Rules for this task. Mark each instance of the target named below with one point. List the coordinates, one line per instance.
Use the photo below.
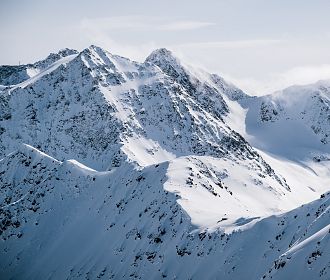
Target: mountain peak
(176, 180)
(67, 51)
(169, 64)
(52, 57)
(162, 51)
(161, 55)
(96, 49)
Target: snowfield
(112, 169)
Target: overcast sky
(261, 45)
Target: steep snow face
(100, 108)
(294, 123)
(307, 256)
(119, 217)
(63, 113)
(12, 75)
(146, 173)
(127, 224)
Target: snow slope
(146, 172)
(293, 123)
(62, 220)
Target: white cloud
(106, 32)
(184, 25)
(303, 75)
(142, 23)
(234, 44)
(115, 23)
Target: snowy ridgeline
(63, 220)
(146, 171)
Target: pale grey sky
(261, 45)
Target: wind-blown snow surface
(146, 173)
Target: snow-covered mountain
(64, 220)
(118, 169)
(87, 105)
(301, 113)
(14, 74)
